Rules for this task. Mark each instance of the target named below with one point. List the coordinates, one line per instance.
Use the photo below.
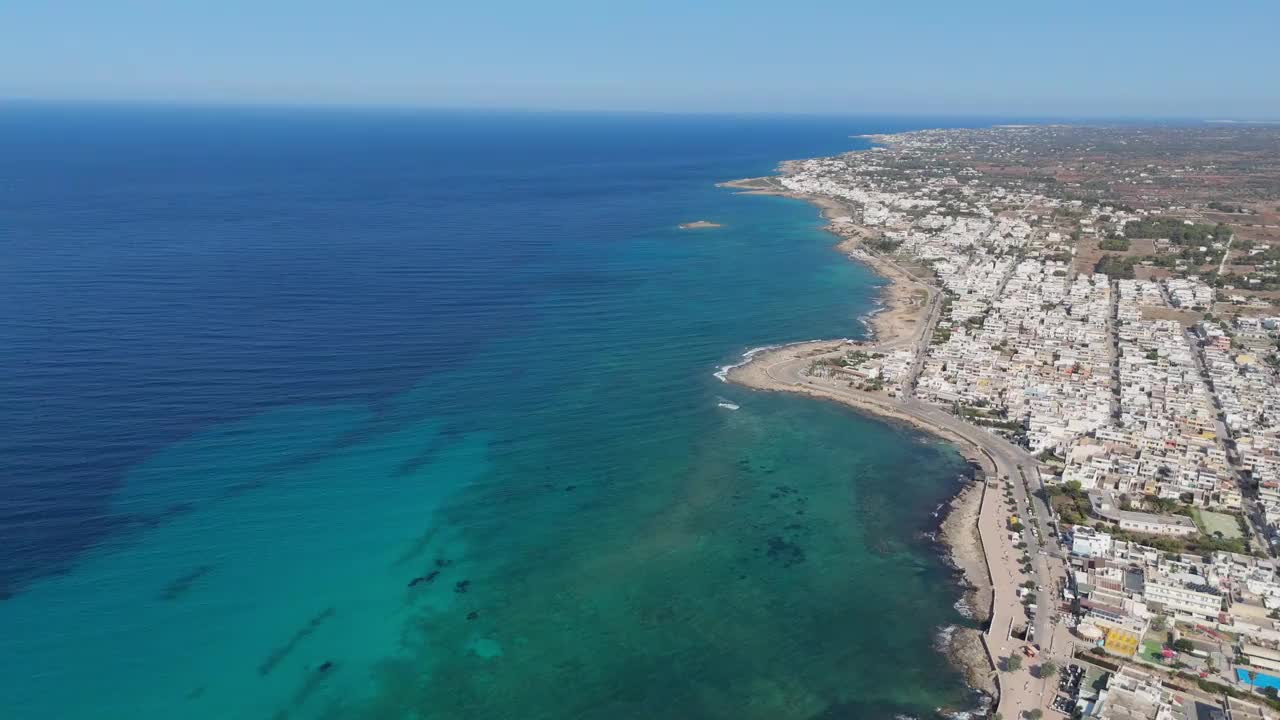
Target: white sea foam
(867, 317)
(942, 639)
(722, 374)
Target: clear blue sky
(1080, 57)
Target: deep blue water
(263, 368)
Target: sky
(1135, 58)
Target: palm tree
(1253, 677)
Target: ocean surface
(339, 414)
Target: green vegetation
(1118, 243)
(883, 245)
(1255, 282)
(1116, 267)
(1165, 506)
(1069, 501)
(1048, 670)
(1176, 231)
(1013, 663)
(1224, 207)
(857, 357)
(1198, 545)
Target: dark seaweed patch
(283, 651)
(784, 551)
(182, 585)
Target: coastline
(900, 297)
(902, 318)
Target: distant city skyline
(1138, 58)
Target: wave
(866, 318)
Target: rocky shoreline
(959, 538)
(958, 535)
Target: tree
(1013, 663)
(1253, 678)
(1034, 713)
(1183, 645)
(1048, 669)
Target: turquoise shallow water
(373, 417)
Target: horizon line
(303, 105)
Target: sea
(352, 413)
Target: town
(1107, 302)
